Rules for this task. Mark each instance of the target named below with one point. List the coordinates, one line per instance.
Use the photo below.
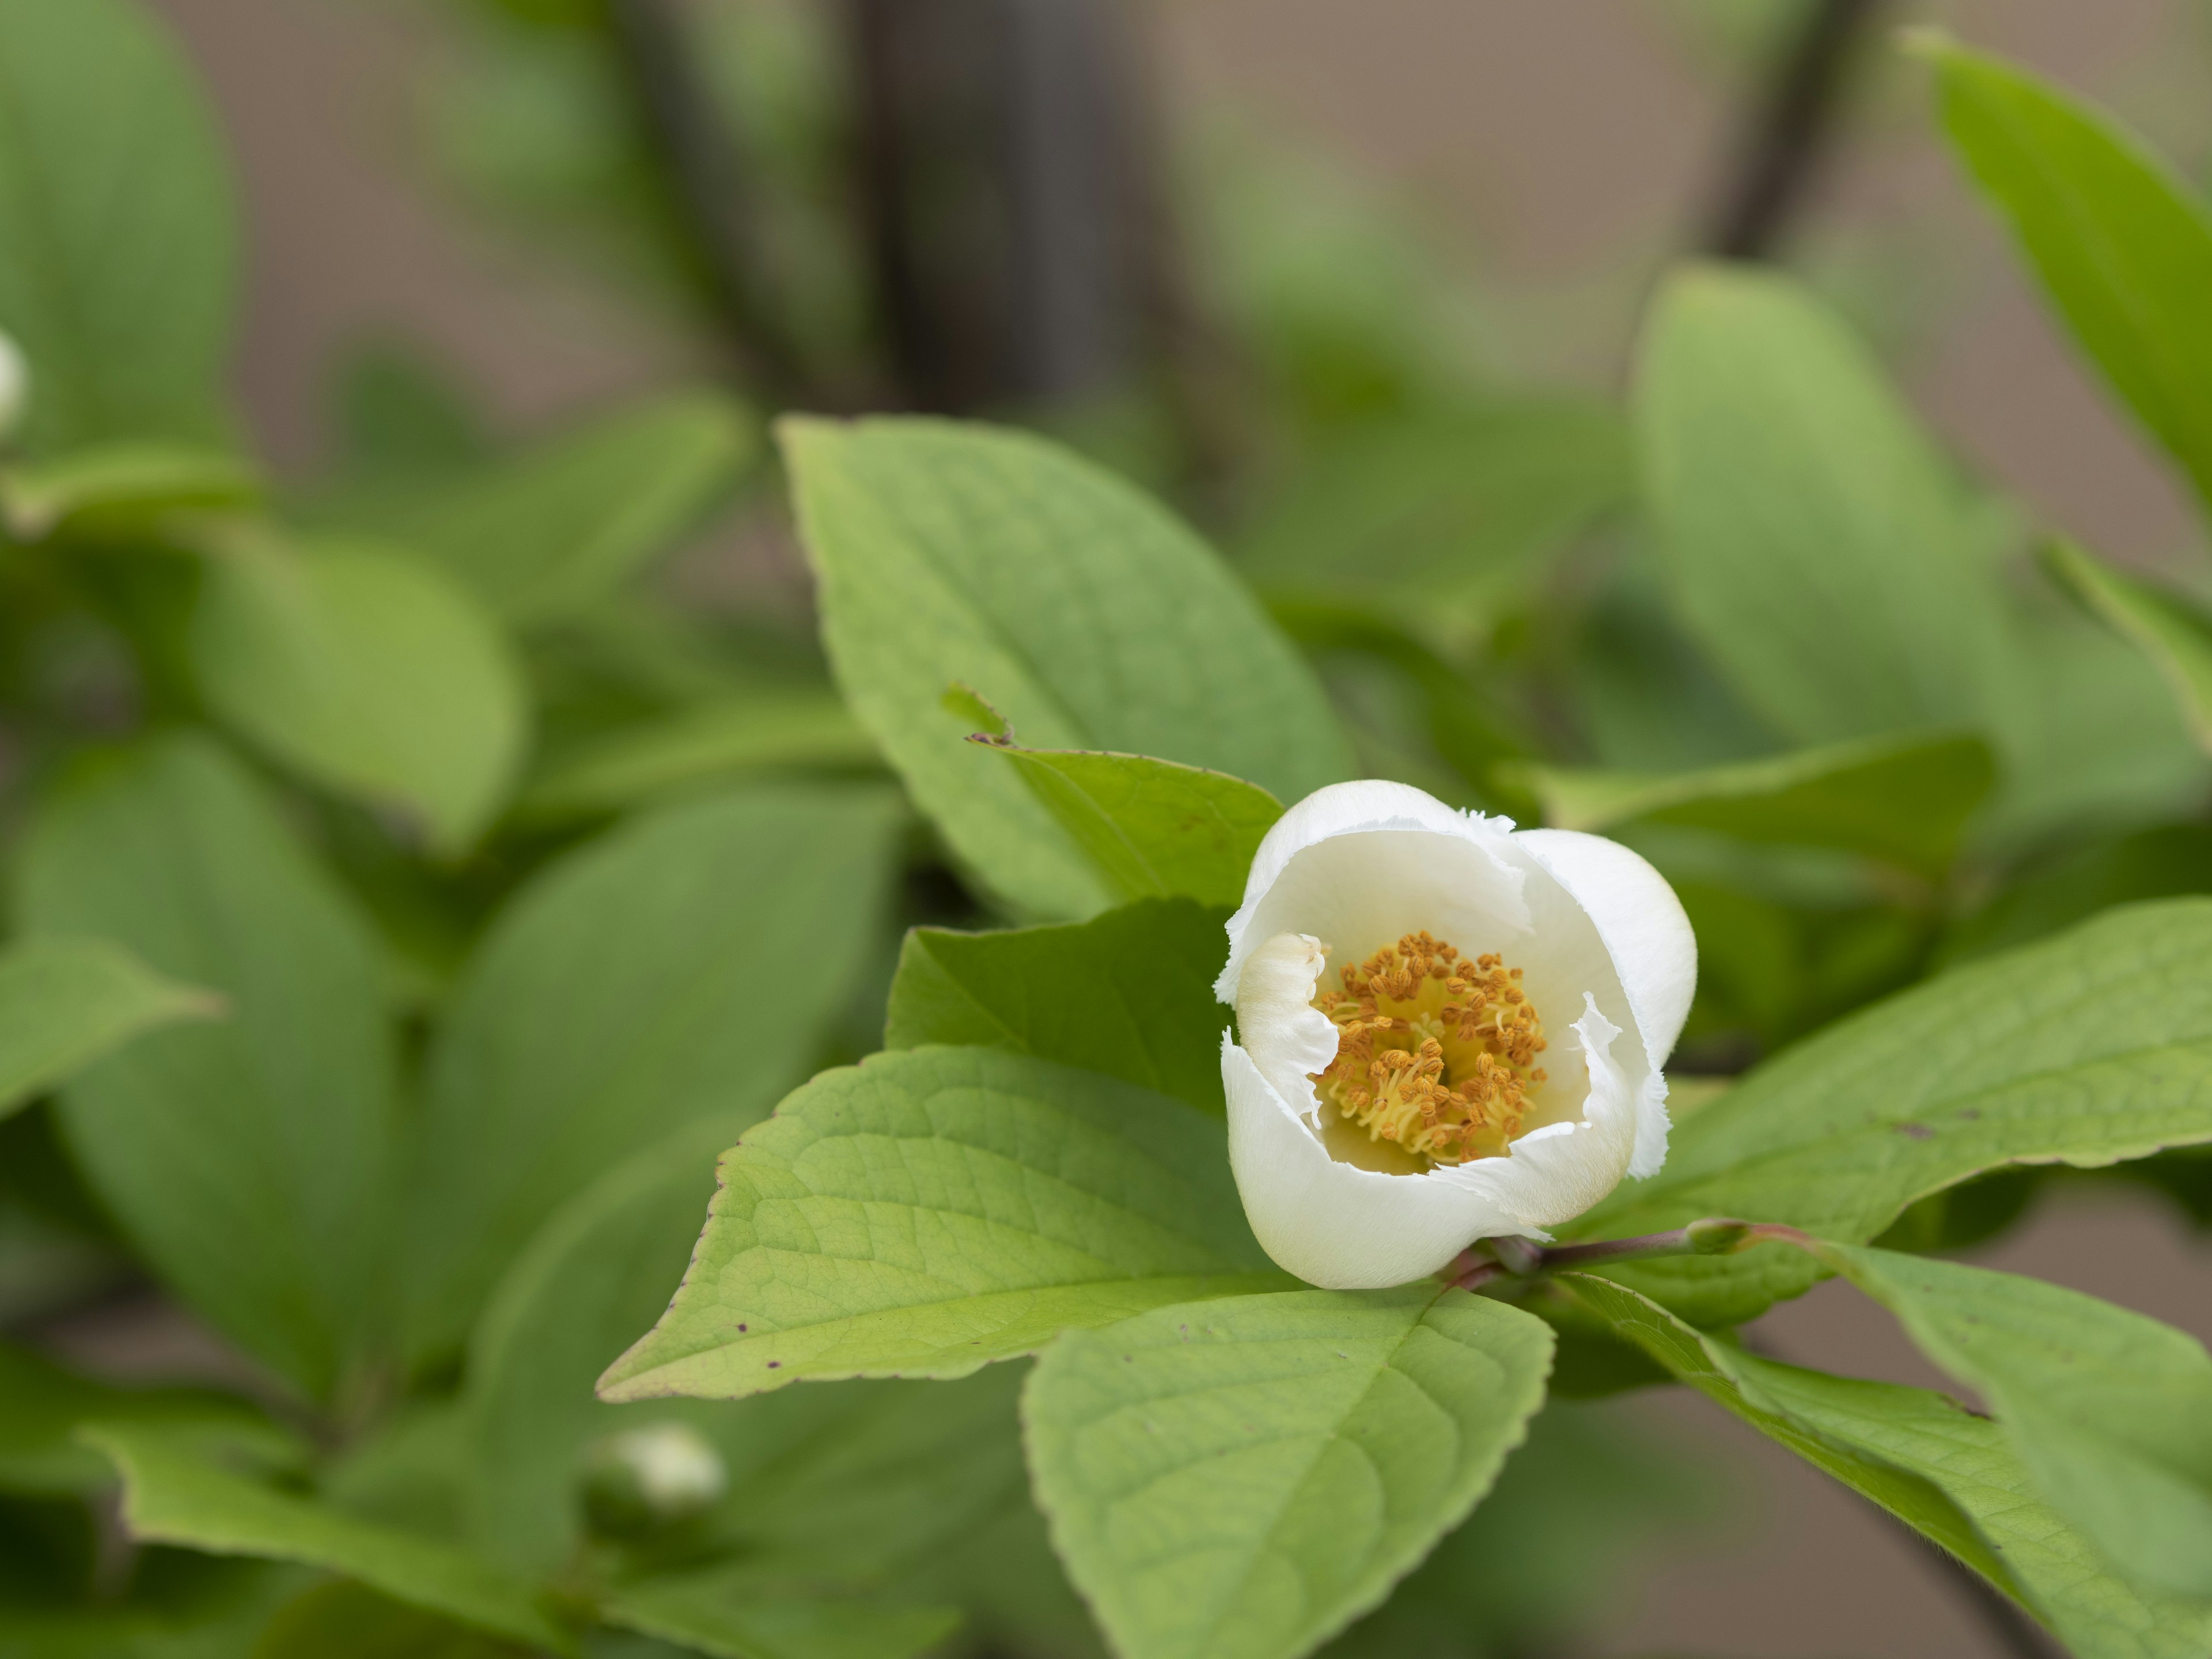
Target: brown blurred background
(1555, 154)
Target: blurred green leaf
(686, 967)
(1151, 829)
(1950, 1475)
(247, 1159)
(767, 730)
(927, 1213)
(113, 488)
(2170, 632)
(1129, 993)
(950, 554)
(2090, 1048)
(550, 532)
(2123, 245)
(1238, 1479)
(2165, 862)
(119, 255)
(346, 1620)
(1819, 549)
(400, 412)
(368, 671)
(65, 1002)
(724, 1612)
(42, 1406)
(172, 1495)
(2111, 1412)
(1904, 801)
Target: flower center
(1434, 1054)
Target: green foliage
(65, 1002)
(550, 533)
(2110, 1411)
(2167, 629)
(1129, 993)
(720, 1612)
(687, 967)
(1821, 551)
(930, 1211)
(1242, 1478)
(1904, 801)
(112, 489)
(171, 1494)
(42, 1406)
(2086, 1049)
(247, 1157)
(1950, 1475)
(345, 1620)
(368, 671)
(2123, 245)
(1090, 617)
(117, 270)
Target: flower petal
(1359, 863)
(1288, 1038)
(1333, 1224)
(1640, 921)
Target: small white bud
(653, 1476)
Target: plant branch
(1488, 1260)
(709, 199)
(1790, 131)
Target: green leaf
(1151, 829)
(1094, 620)
(369, 672)
(755, 731)
(2089, 1048)
(42, 1406)
(1129, 993)
(2167, 629)
(552, 532)
(2111, 1411)
(345, 1621)
(66, 1002)
(686, 967)
(173, 1496)
(1904, 801)
(247, 1159)
(927, 1213)
(1950, 1475)
(1239, 1479)
(1820, 550)
(114, 488)
(2123, 244)
(119, 249)
(720, 1612)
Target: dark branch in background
(1789, 133)
(710, 202)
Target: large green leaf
(370, 672)
(1150, 829)
(2091, 1048)
(173, 1495)
(65, 1002)
(1905, 800)
(1820, 549)
(2112, 1411)
(1089, 616)
(342, 1619)
(1238, 1479)
(722, 1612)
(2123, 244)
(117, 236)
(547, 535)
(1950, 1475)
(927, 1213)
(684, 968)
(2171, 633)
(1129, 993)
(42, 1406)
(249, 1158)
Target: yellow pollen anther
(1434, 1054)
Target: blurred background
(1232, 247)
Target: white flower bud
(653, 1476)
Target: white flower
(1461, 1106)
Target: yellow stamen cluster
(1436, 1055)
